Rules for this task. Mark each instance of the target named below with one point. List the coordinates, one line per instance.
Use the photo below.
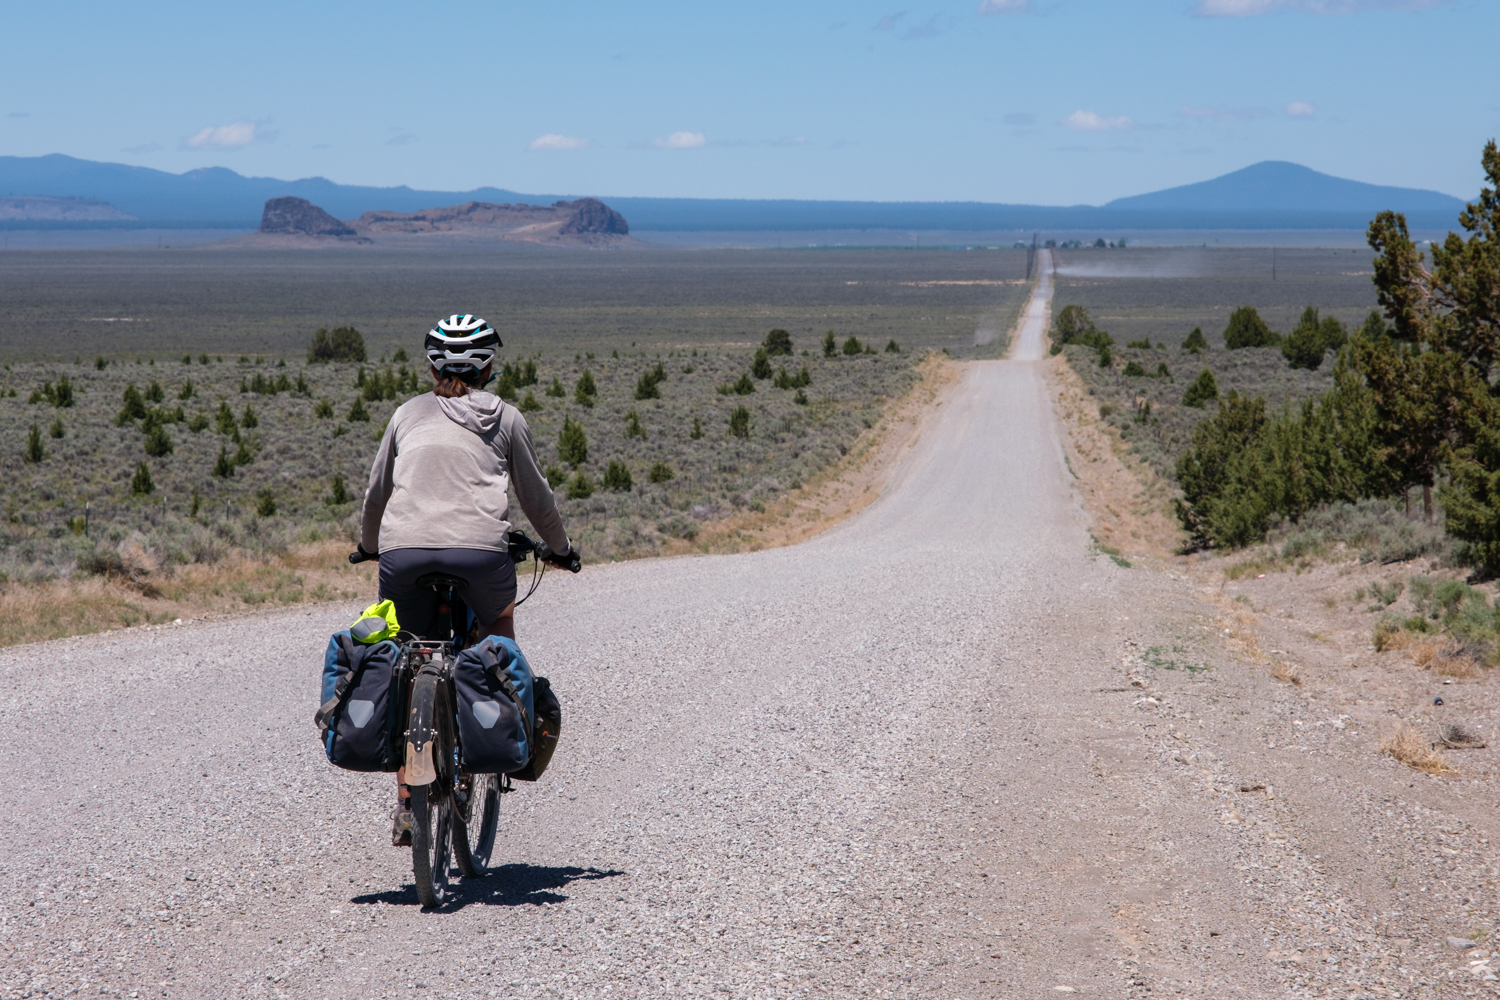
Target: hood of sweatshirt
(475, 411)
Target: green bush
(572, 443)
(357, 412)
(186, 392)
(344, 343)
(585, 391)
(830, 345)
(1195, 342)
(134, 408)
(1203, 390)
(1139, 345)
(633, 428)
(556, 390)
(141, 483)
(1312, 338)
(617, 477)
(339, 493)
(1247, 329)
(778, 342)
(249, 420)
(1133, 369)
(580, 487)
(852, 346)
(761, 366)
(323, 411)
(265, 502)
(34, 452)
(744, 387)
(154, 393)
(660, 472)
(739, 422)
(697, 431)
(158, 443)
(57, 431)
(529, 402)
(649, 384)
(891, 347)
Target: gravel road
(902, 759)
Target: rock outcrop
(300, 217)
(586, 220)
(44, 209)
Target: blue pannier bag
(495, 709)
(361, 718)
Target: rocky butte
(589, 222)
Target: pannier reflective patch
(360, 712)
(486, 713)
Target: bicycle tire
(477, 811)
(432, 804)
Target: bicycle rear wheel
(431, 721)
(431, 843)
(477, 808)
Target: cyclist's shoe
(401, 824)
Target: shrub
(199, 423)
(697, 431)
(57, 431)
(1134, 370)
(154, 392)
(556, 389)
(778, 342)
(649, 385)
(1162, 371)
(186, 392)
(744, 387)
(617, 477)
(580, 487)
(830, 345)
(158, 443)
(339, 494)
(134, 408)
(891, 347)
(344, 344)
(1247, 329)
(357, 412)
(1139, 345)
(224, 417)
(249, 420)
(633, 428)
(323, 410)
(1195, 342)
(302, 388)
(197, 502)
(585, 391)
(761, 366)
(101, 363)
(1203, 390)
(1106, 357)
(739, 422)
(852, 346)
(400, 356)
(1312, 338)
(660, 472)
(556, 476)
(529, 402)
(572, 443)
(265, 502)
(243, 455)
(34, 452)
(800, 399)
(141, 483)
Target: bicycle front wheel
(478, 812)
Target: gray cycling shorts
(491, 578)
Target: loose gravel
(904, 759)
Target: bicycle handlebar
(520, 546)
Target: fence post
(85, 519)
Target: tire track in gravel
(891, 761)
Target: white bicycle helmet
(461, 345)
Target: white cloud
(1088, 121)
(680, 140)
(1255, 8)
(989, 8)
(225, 136)
(1300, 109)
(552, 142)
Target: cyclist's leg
(491, 593)
(505, 624)
(416, 607)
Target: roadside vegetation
(1378, 439)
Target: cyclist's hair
(450, 385)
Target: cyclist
(437, 500)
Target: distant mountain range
(1268, 195)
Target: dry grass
(84, 605)
(1283, 671)
(1410, 747)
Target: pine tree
(34, 452)
(572, 443)
(141, 483)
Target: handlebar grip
(571, 562)
(361, 555)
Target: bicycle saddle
(439, 581)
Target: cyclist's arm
(531, 486)
(382, 472)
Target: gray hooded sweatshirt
(439, 479)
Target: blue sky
(1035, 101)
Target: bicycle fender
(420, 769)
